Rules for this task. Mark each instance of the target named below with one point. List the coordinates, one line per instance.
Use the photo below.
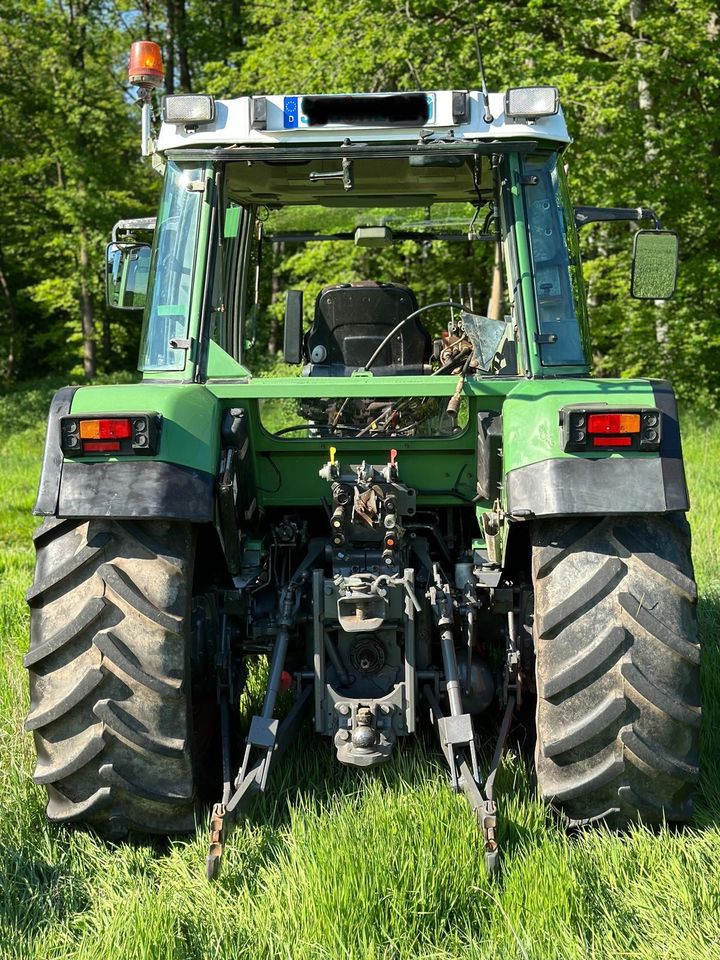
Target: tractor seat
(351, 321)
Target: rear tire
(110, 701)
(617, 669)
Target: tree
(68, 150)
(638, 83)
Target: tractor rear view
(439, 513)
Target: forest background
(638, 82)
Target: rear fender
(177, 484)
(543, 480)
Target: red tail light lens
(614, 423)
(102, 446)
(612, 441)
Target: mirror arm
(127, 226)
(584, 215)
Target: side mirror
(292, 339)
(127, 269)
(654, 264)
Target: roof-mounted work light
(189, 108)
(145, 69)
(531, 102)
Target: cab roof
(389, 118)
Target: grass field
(334, 865)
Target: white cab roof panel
(283, 120)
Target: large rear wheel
(617, 668)
(109, 662)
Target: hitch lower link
(456, 734)
(251, 781)
(267, 738)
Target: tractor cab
(388, 243)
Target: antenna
(488, 118)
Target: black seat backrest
(351, 321)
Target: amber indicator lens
(105, 430)
(614, 423)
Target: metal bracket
(263, 732)
(456, 731)
(345, 174)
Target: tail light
(592, 428)
(120, 433)
(106, 429)
(613, 423)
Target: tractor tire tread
(87, 616)
(90, 743)
(66, 569)
(119, 657)
(585, 596)
(109, 674)
(120, 583)
(640, 616)
(47, 712)
(617, 668)
(582, 665)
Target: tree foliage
(638, 80)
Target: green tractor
(436, 512)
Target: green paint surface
(531, 421)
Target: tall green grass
(334, 864)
